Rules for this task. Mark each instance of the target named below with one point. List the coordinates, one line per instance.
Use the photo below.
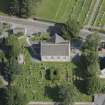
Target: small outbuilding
(18, 30)
(99, 99)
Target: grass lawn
(37, 88)
(57, 10)
(80, 10)
(60, 10)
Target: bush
(52, 74)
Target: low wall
(58, 103)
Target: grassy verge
(1, 83)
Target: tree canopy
(14, 50)
(90, 51)
(13, 7)
(89, 63)
(22, 8)
(66, 94)
(12, 96)
(14, 46)
(71, 29)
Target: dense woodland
(20, 8)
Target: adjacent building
(99, 99)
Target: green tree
(22, 8)
(2, 56)
(16, 96)
(92, 42)
(14, 49)
(3, 96)
(93, 85)
(66, 94)
(27, 7)
(71, 29)
(14, 46)
(13, 7)
(13, 68)
(12, 96)
(52, 74)
(89, 63)
(89, 57)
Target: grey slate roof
(52, 49)
(58, 39)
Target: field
(81, 10)
(100, 16)
(86, 12)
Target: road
(85, 32)
(35, 26)
(25, 22)
(32, 26)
